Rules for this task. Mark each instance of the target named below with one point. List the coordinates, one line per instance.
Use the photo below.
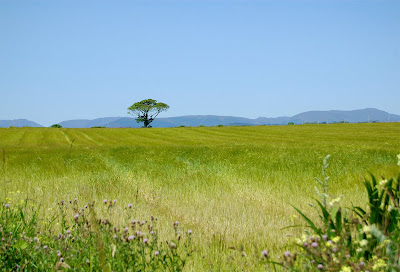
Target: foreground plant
(351, 239)
(85, 242)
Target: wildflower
(335, 201)
(383, 182)
(2, 239)
(305, 244)
(68, 231)
(334, 249)
(312, 261)
(152, 232)
(314, 244)
(35, 239)
(265, 253)
(325, 237)
(336, 239)
(329, 243)
(87, 261)
(287, 254)
(76, 216)
(7, 206)
(130, 238)
(45, 247)
(85, 206)
(380, 265)
(126, 229)
(320, 266)
(172, 245)
(105, 201)
(145, 240)
(364, 243)
(59, 254)
(156, 253)
(189, 232)
(176, 223)
(130, 206)
(115, 201)
(61, 259)
(76, 200)
(366, 229)
(345, 269)
(362, 264)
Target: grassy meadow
(232, 186)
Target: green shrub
(56, 126)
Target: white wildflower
(364, 243)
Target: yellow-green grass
(232, 186)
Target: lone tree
(147, 110)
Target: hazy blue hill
(364, 115)
(18, 123)
(86, 123)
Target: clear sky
(82, 59)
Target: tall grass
(231, 185)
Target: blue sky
(70, 59)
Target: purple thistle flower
(2, 239)
(115, 201)
(130, 206)
(314, 244)
(61, 259)
(334, 249)
(7, 206)
(68, 231)
(287, 254)
(130, 238)
(59, 255)
(45, 247)
(85, 206)
(145, 240)
(87, 261)
(305, 244)
(105, 201)
(312, 261)
(362, 264)
(152, 232)
(76, 216)
(320, 266)
(75, 199)
(126, 229)
(35, 239)
(265, 253)
(156, 253)
(189, 232)
(324, 237)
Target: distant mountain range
(354, 116)
(18, 123)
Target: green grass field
(232, 186)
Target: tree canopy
(147, 110)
